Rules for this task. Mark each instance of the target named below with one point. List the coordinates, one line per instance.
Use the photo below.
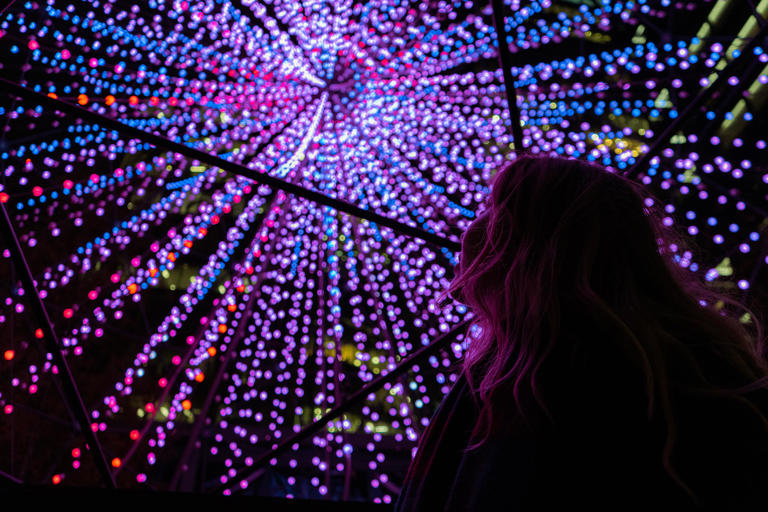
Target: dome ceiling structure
(244, 214)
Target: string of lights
(236, 215)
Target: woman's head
(561, 242)
(554, 235)
(557, 225)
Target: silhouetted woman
(602, 373)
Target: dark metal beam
(10, 479)
(53, 346)
(6, 6)
(693, 106)
(415, 358)
(226, 165)
(758, 17)
(505, 62)
(384, 159)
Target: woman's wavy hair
(560, 235)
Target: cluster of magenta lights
(208, 318)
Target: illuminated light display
(208, 317)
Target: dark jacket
(601, 452)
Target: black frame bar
(700, 98)
(505, 63)
(70, 389)
(358, 396)
(226, 165)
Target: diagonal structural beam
(693, 106)
(53, 346)
(373, 386)
(758, 17)
(505, 63)
(6, 6)
(10, 480)
(226, 165)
